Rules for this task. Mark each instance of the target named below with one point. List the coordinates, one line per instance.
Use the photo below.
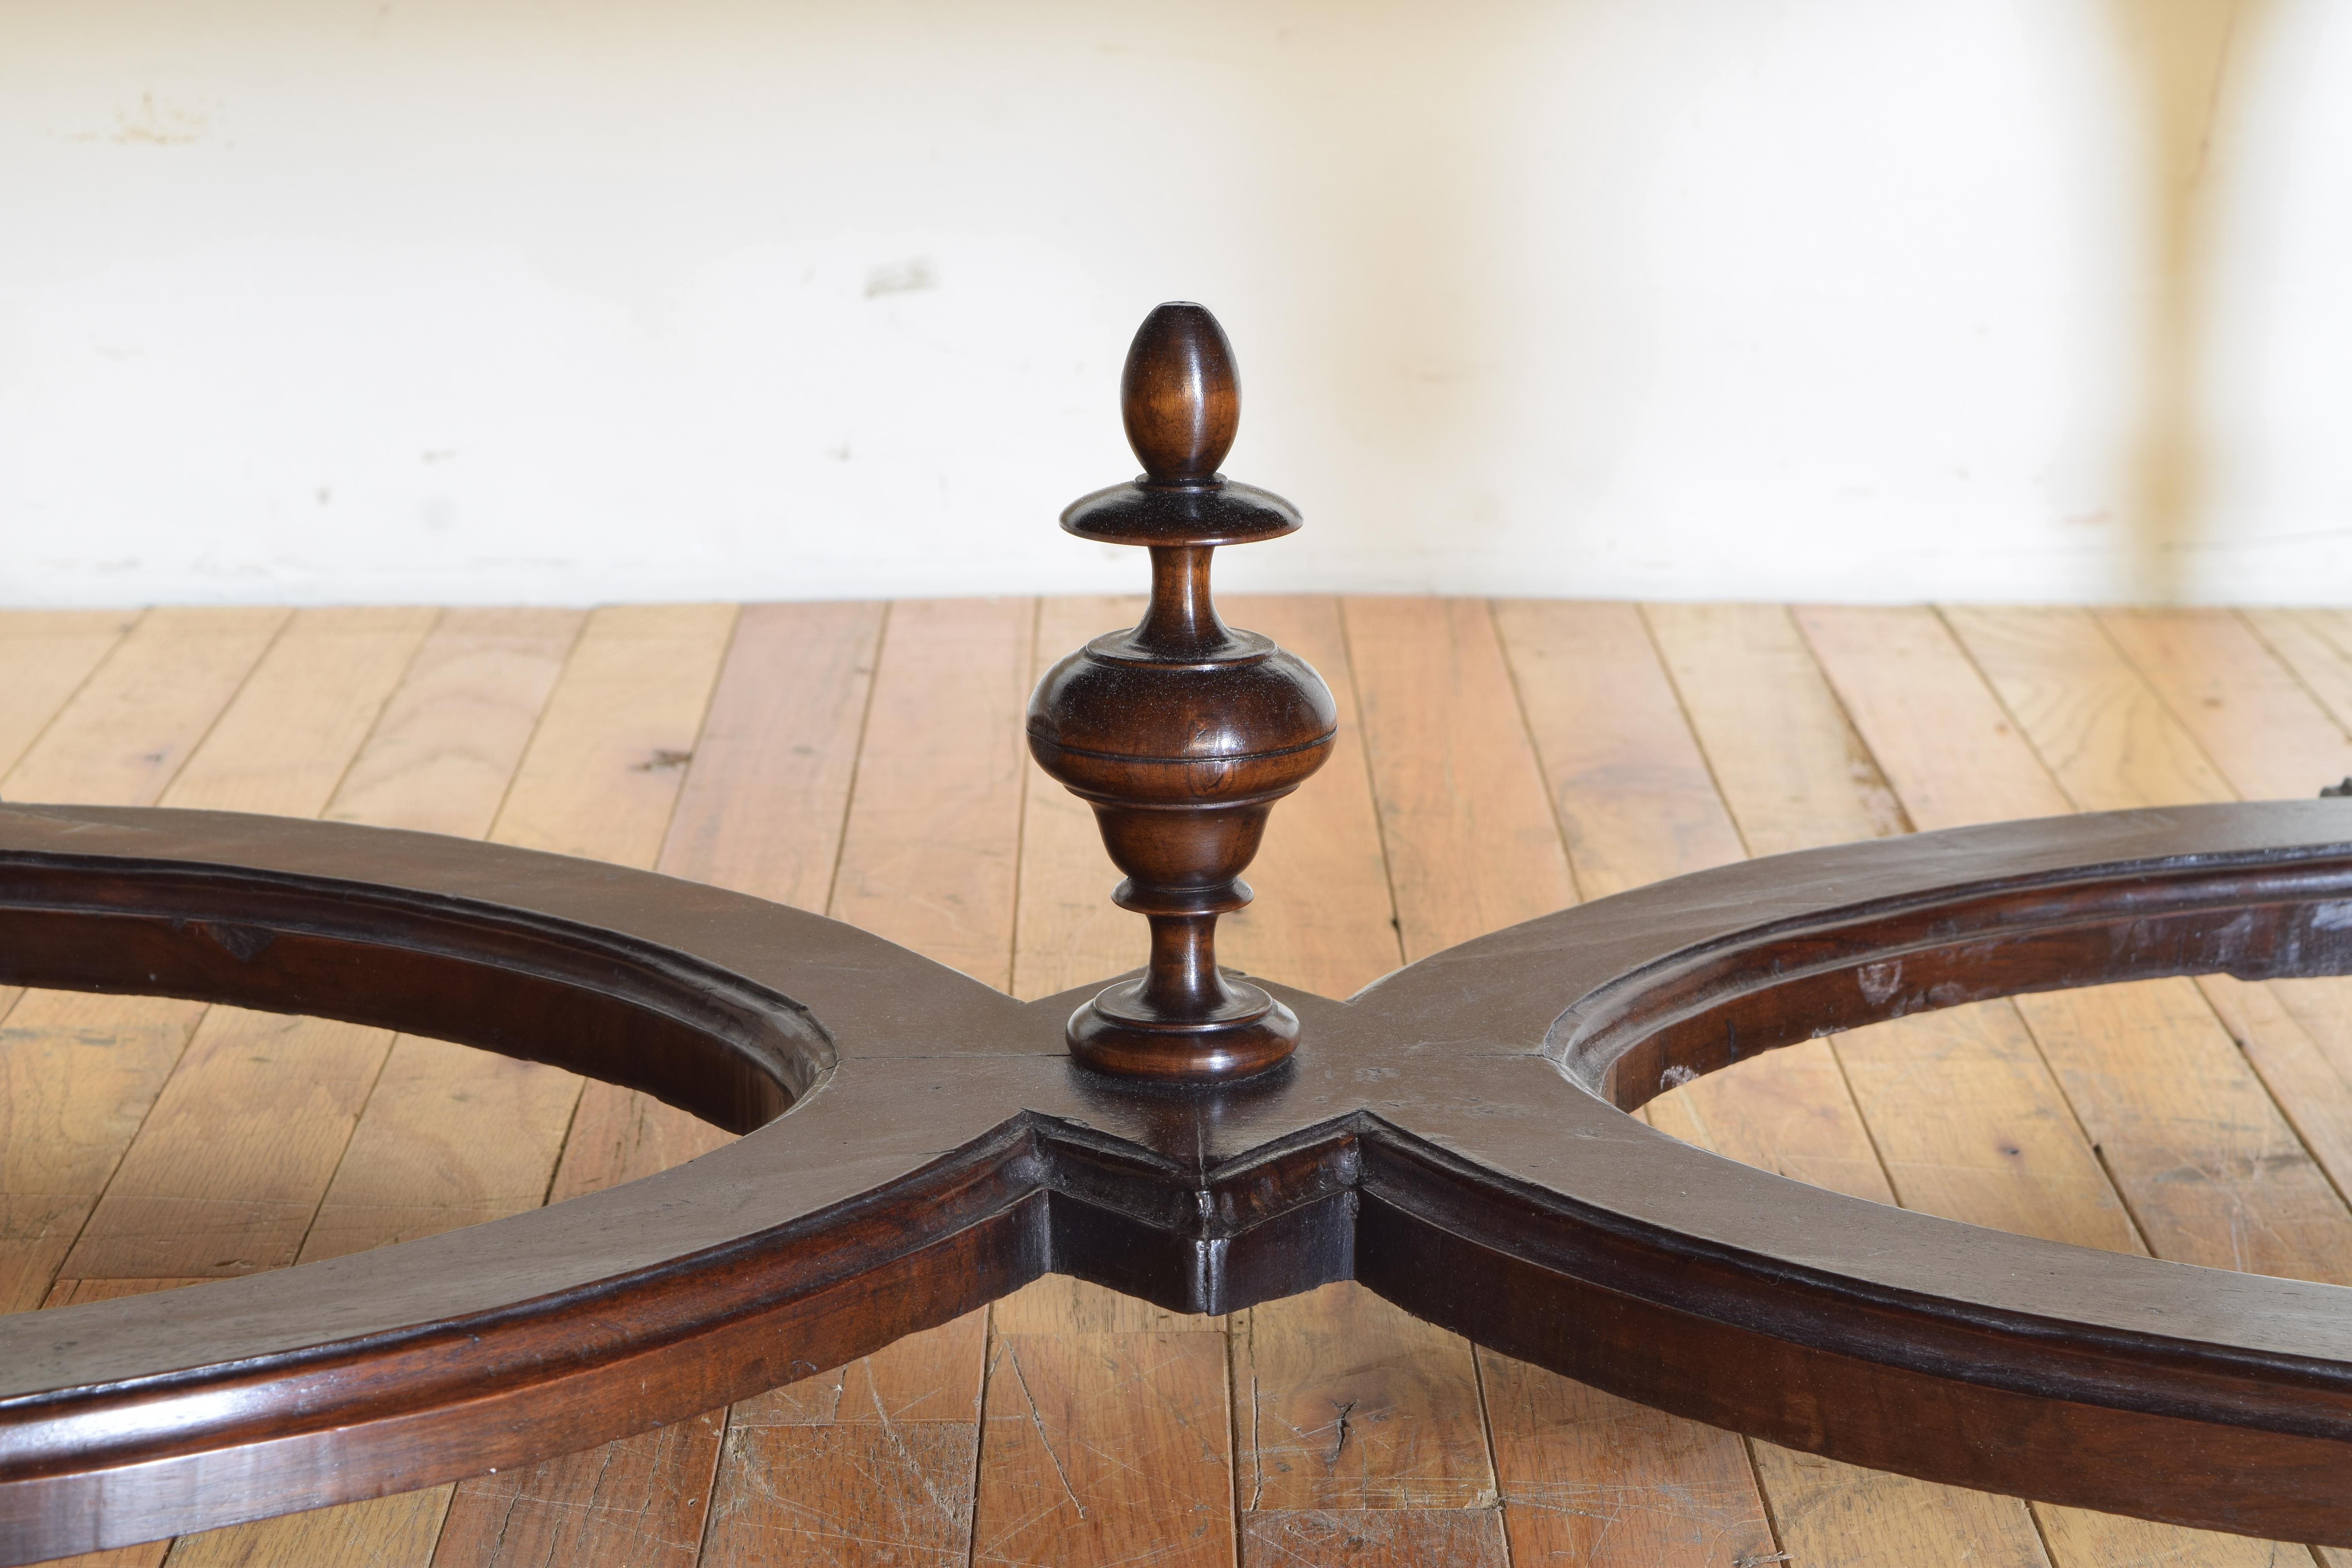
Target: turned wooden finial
(1182, 732)
(1181, 401)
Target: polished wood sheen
(1458, 1137)
(1179, 395)
(1454, 1138)
(1182, 732)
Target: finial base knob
(1246, 1035)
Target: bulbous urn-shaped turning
(1182, 732)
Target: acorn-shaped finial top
(1180, 396)
(1182, 403)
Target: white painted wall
(482, 300)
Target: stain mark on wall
(153, 122)
(2182, 53)
(909, 276)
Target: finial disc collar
(1141, 513)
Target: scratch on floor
(1209, 1454)
(899, 1445)
(1715, 1506)
(1257, 1453)
(1038, 1421)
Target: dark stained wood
(1181, 733)
(1876, 1335)
(1179, 395)
(1461, 1138)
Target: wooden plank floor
(1499, 760)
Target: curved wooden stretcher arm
(1454, 1137)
